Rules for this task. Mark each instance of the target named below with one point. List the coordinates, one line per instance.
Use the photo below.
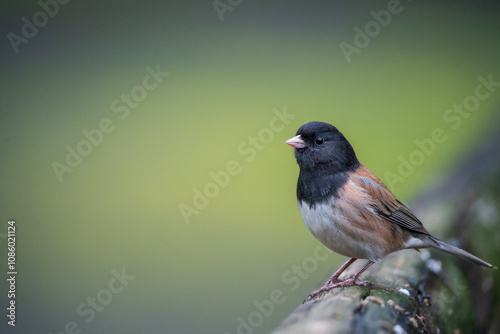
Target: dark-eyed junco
(349, 210)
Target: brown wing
(384, 203)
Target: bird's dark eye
(319, 140)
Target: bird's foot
(336, 283)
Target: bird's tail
(460, 252)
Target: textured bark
(395, 299)
(434, 292)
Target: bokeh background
(119, 208)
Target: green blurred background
(119, 207)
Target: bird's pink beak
(296, 142)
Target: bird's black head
(320, 146)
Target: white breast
(334, 231)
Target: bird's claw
(332, 284)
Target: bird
(349, 210)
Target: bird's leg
(335, 276)
(353, 280)
(334, 281)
